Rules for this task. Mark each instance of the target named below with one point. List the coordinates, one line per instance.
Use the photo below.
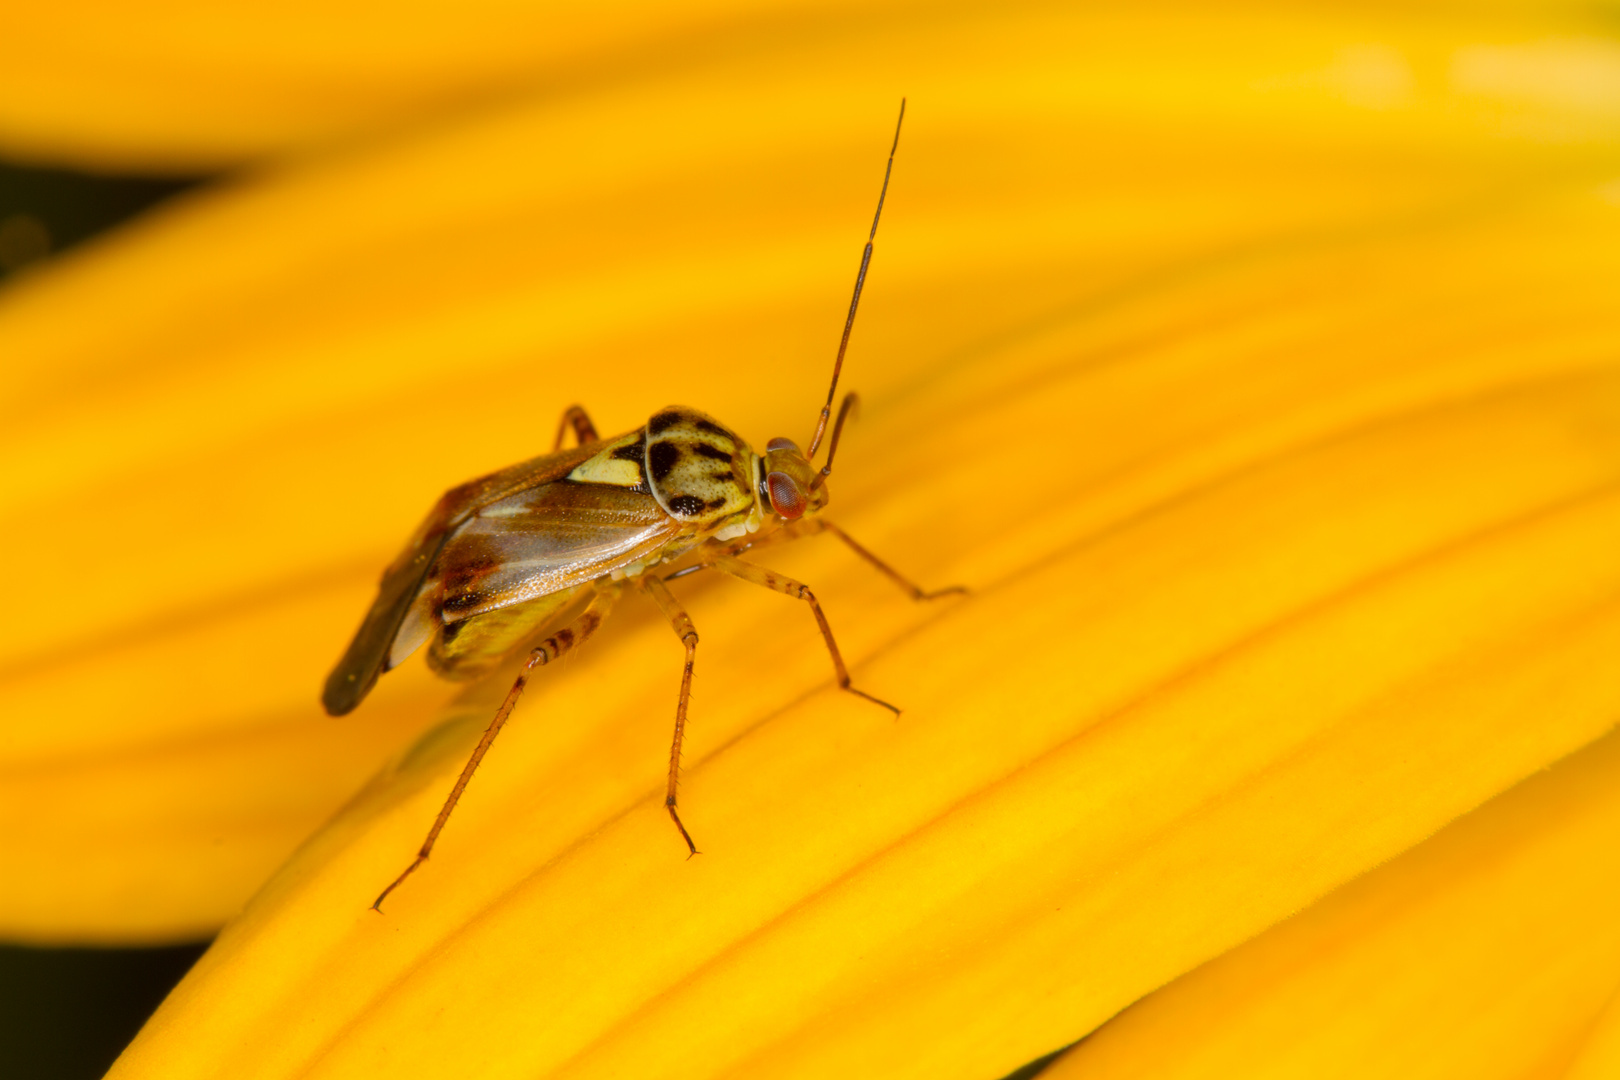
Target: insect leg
(563, 641)
(791, 531)
(771, 580)
(916, 592)
(794, 530)
(574, 417)
(682, 623)
(810, 527)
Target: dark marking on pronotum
(715, 504)
(661, 459)
(632, 451)
(688, 505)
(721, 477)
(713, 452)
(714, 429)
(663, 421)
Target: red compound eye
(786, 498)
(781, 444)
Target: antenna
(851, 401)
(860, 279)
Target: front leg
(810, 527)
(769, 579)
(915, 591)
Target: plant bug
(541, 550)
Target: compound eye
(786, 497)
(781, 444)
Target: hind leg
(564, 640)
(574, 417)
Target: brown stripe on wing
(367, 655)
(544, 540)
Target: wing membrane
(368, 655)
(544, 540)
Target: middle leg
(682, 624)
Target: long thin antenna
(851, 400)
(860, 279)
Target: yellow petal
(1598, 1054)
(180, 86)
(1490, 950)
(1035, 844)
(1276, 427)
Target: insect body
(532, 557)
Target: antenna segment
(860, 280)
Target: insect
(540, 552)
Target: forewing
(369, 654)
(543, 540)
(464, 500)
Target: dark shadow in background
(1036, 1067)
(66, 1013)
(43, 211)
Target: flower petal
(1599, 1052)
(1174, 714)
(1282, 454)
(1174, 735)
(1487, 951)
(175, 85)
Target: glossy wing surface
(368, 654)
(541, 541)
(366, 658)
